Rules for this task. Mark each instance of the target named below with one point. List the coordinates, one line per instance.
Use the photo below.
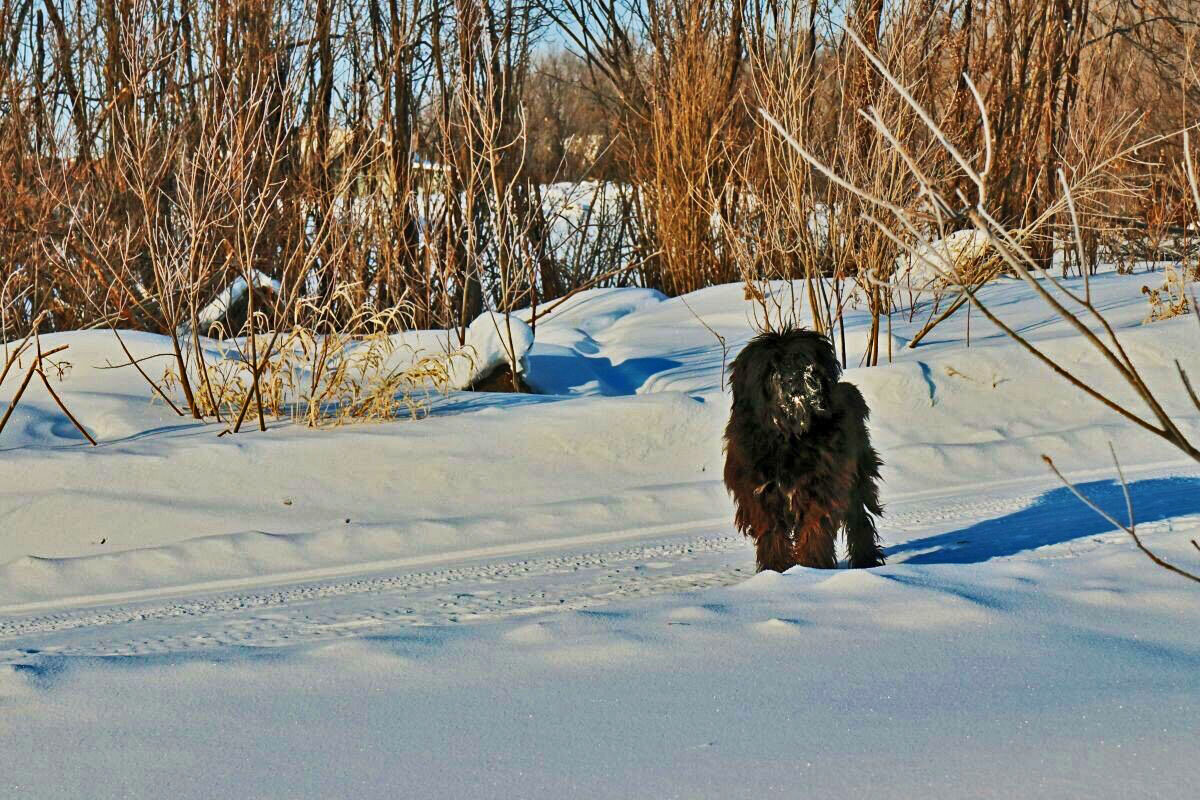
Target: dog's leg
(862, 494)
(814, 545)
(760, 511)
(862, 540)
(768, 521)
(773, 550)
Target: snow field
(541, 596)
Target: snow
(542, 595)
(929, 263)
(492, 341)
(216, 309)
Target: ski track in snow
(467, 592)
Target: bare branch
(1130, 528)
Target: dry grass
(802, 226)
(322, 371)
(1169, 300)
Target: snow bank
(309, 606)
(492, 341)
(636, 400)
(1068, 673)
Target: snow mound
(493, 341)
(926, 266)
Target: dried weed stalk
(323, 370)
(39, 365)
(1170, 299)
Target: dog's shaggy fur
(798, 459)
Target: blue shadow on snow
(1057, 516)
(563, 373)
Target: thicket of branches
(397, 153)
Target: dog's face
(785, 380)
(798, 393)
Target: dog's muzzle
(799, 400)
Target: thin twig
(110, 365)
(63, 406)
(16, 398)
(13, 357)
(543, 313)
(1130, 528)
(717, 336)
(1187, 384)
(1087, 285)
(256, 371)
(1121, 363)
(134, 363)
(33, 367)
(22, 347)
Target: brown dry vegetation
(392, 154)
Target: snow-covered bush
(959, 258)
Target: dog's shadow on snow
(1057, 516)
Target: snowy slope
(631, 437)
(1068, 671)
(302, 613)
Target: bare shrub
(425, 132)
(802, 225)
(674, 73)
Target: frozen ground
(541, 596)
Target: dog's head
(785, 380)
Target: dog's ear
(748, 378)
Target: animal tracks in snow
(697, 557)
(318, 610)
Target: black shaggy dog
(798, 460)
